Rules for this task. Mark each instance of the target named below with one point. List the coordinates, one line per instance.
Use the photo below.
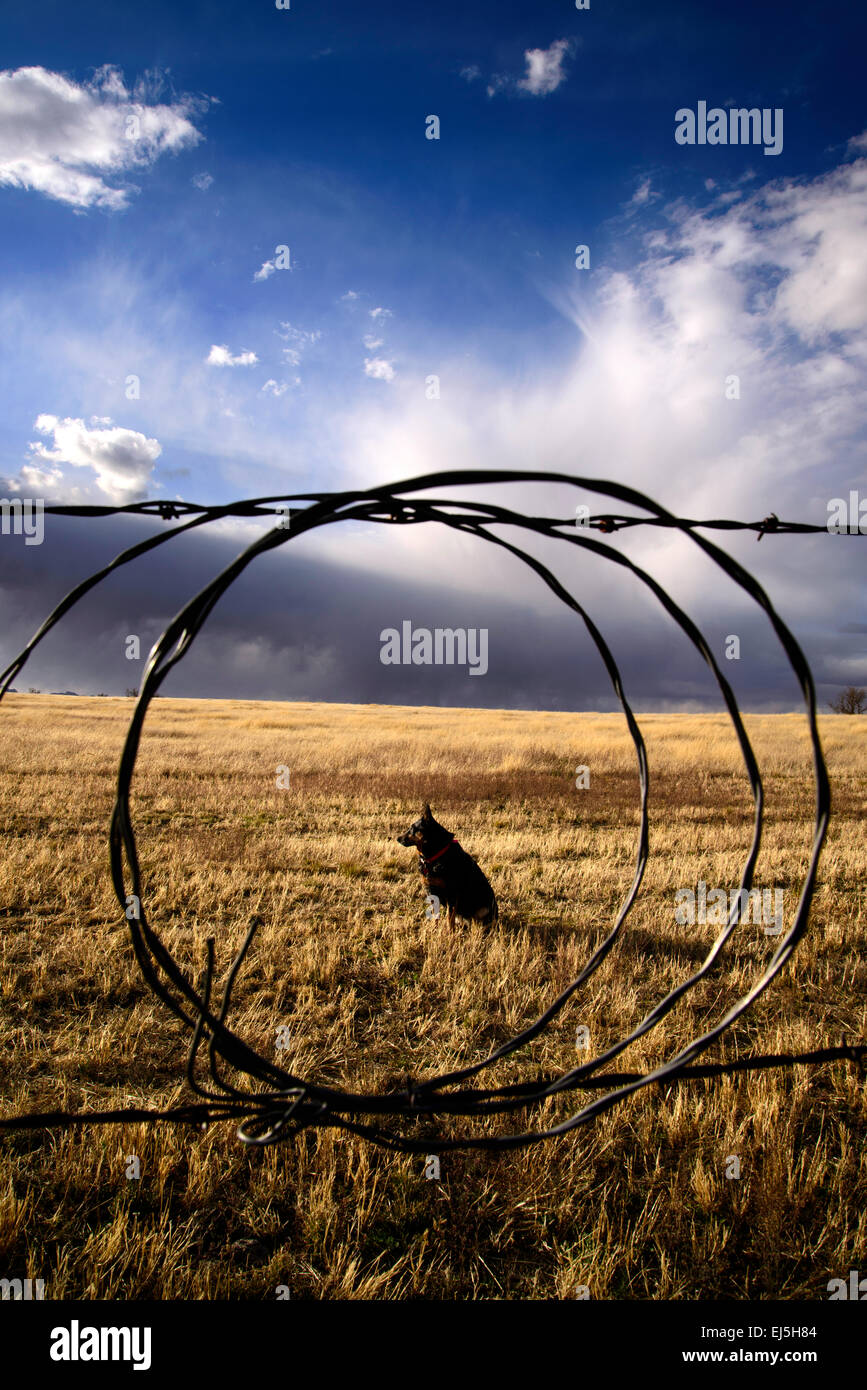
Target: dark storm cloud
(300, 627)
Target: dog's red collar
(438, 854)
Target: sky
(248, 250)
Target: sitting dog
(449, 873)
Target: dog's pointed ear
(426, 815)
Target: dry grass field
(635, 1205)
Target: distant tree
(849, 701)
(132, 690)
(33, 690)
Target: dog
(449, 873)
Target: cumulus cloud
(122, 459)
(785, 260)
(725, 373)
(74, 141)
(275, 388)
(545, 71)
(379, 368)
(349, 296)
(281, 260)
(220, 356)
(371, 342)
(380, 313)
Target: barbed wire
(289, 1103)
(607, 522)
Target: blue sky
(151, 253)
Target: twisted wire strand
(291, 1103)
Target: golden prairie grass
(636, 1204)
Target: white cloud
(371, 342)
(773, 290)
(545, 71)
(643, 194)
(349, 296)
(67, 140)
(266, 269)
(378, 368)
(380, 313)
(290, 334)
(300, 340)
(220, 356)
(202, 181)
(134, 320)
(471, 72)
(807, 235)
(122, 459)
(275, 388)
